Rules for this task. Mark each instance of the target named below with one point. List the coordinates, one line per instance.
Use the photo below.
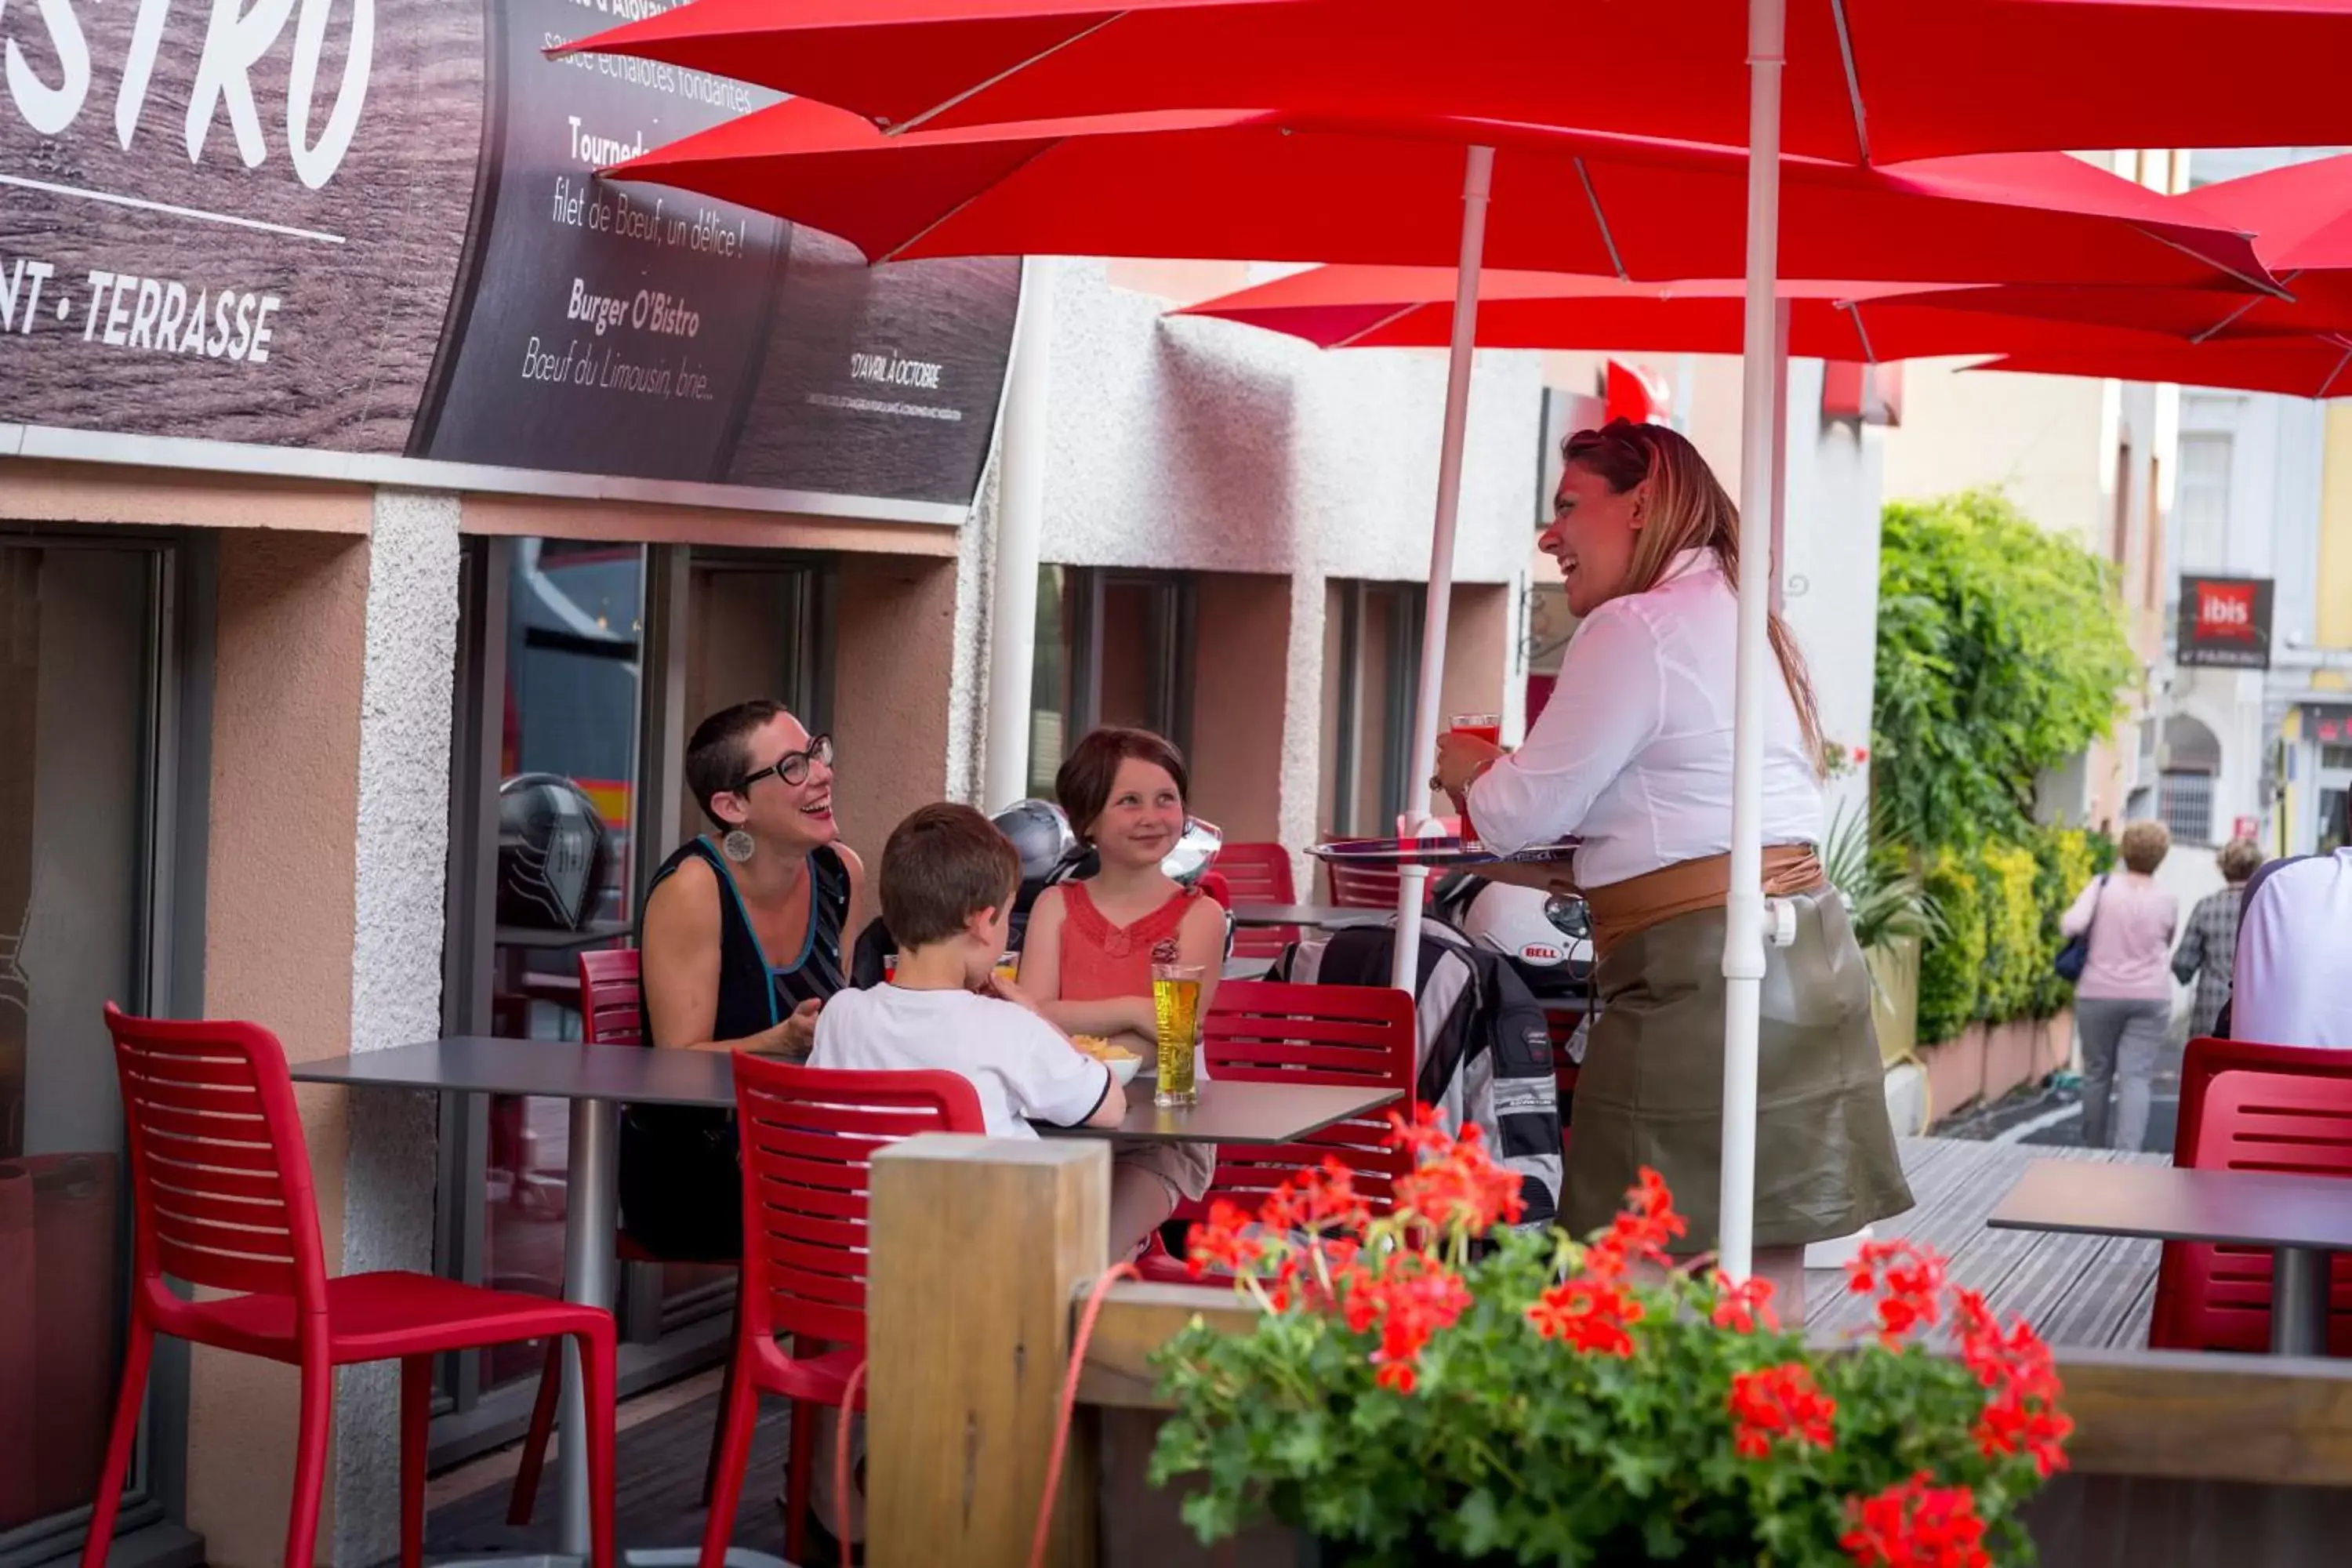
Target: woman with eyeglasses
(740, 939)
(1632, 753)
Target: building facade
(269, 703)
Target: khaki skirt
(1650, 1092)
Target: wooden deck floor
(2078, 1291)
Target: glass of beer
(1488, 727)
(1176, 999)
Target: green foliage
(1951, 968)
(1885, 898)
(1515, 1449)
(2063, 863)
(2002, 653)
(2013, 955)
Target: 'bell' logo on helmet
(1542, 952)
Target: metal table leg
(2299, 1286)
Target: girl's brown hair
(1084, 784)
(1688, 511)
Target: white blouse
(1633, 749)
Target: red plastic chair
(611, 991)
(221, 1191)
(2246, 1107)
(806, 1135)
(1260, 874)
(1267, 1031)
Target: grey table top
(2249, 1208)
(1330, 917)
(556, 1069)
(1237, 1113)
(567, 1070)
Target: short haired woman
(2123, 1002)
(2207, 953)
(740, 940)
(1633, 753)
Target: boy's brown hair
(941, 866)
(1084, 784)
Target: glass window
(1371, 666)
(79, 656)
(1113, 647)
(2185, 802)
(2201, 502)
(572, 667)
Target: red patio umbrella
(2300, 365)
(2000, 74)
(1275, 188)
(1866, 80)
(1412, 307)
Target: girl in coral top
(1086, 959)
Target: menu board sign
(375, 227)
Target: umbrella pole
(1743, 945)
(1478, 183)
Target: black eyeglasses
(792, 767)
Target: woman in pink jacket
(2122, 1003)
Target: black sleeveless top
(682, 1196)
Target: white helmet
(1528, 925)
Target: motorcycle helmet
(1041, 836)
(552, 845)
(1528, 926)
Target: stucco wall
(1213, 447)
(1240, 704)
(280, 883)
(894, 657)
(403, 837)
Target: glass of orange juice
(1008, 968)
(1487, 727)
(1176, 1002)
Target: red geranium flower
(1745, 1304)
(1591, 1313)
(1781, 1401)
(1910, 1280)
(1917, 1525)
(1226, 1241)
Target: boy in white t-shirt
(949, 878)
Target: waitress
(1633, 753)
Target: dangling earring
(737, 845)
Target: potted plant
(1435, 1386)
(1891, 914)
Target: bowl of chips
(1123, 1063)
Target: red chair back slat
(1363, 886)
(1258, 874)
(1264, 1031)
(2253, 1108)
(611, 994)
(807, 1136)
(220, 1171)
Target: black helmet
(552, 849)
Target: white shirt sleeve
(1607, 704)
(1045, 1079)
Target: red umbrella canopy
(1879, 81)
(1289, 188)
(2306, 366)
(1412, 307)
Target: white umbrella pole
(1743, 946)
(1477, 184)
